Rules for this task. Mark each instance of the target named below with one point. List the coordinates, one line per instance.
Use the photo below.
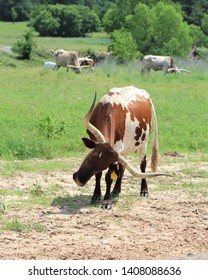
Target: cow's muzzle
(77, 181)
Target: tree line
(136, 27)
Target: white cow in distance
(50, 65)
(157, 62)
(67, 59)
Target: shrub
(124, 47)
(49, 127)
(23, 47)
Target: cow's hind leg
(144, 187)
(97, 191)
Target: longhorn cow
(157, 63)
(67, 59)
(120, 123)
(87, 61)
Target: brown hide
(110, 120)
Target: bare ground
(171, 224)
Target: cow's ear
(89, 143)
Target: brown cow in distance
(119, 124)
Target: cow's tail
(154, 158)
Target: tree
(90, 20)
(110, 21)
(23, 47)
(124, 47)
(13, 14)
(64, 21)
(69, 18)
(198, 37)
(141, 26)
(157, 30)
(169, 27)
(205, 24)
(22, 9)
(45, 23)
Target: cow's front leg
(107, 202)
(117, 187)
(144, 187)
(97, 191)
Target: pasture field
(10, 33)
(42, 111)
(44, 215)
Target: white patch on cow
(128, 143)
(124, 96)
(118, 147)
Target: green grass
(15, 225)
(9, 168)
(9, 33)
(29, 95)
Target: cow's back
(124, 117)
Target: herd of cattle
(119, 124)
(70, 59)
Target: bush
(124, 47)
(24, 47)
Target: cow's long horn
(135, 172)
(84, 66)
(185, 71)
(72, 66)
(98, 135)
(172, 70)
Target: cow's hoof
(144, 194)
(107, 205)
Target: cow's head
(99, 159)
(101, 156)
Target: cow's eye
(111, 153)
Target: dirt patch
(171, 224)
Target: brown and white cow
(156, 63)
(67, 59)
(120, 123)
(86, 61)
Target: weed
(2, 208)
(37, 191)
(15, 225)
(49, 127)
(38, 227)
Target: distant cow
(86, 61)
(156, 63)
(50, 65)
(67, 59)
(119, 124)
